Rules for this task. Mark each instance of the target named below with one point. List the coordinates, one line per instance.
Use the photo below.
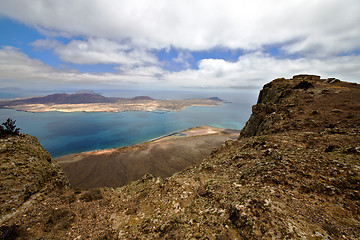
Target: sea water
(66, 133)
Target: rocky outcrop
(303, 102)
(27, 173)
(306, 77)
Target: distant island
(89, 101)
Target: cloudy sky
(175, 44)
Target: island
(88, 101)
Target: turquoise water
(66, 133)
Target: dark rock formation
(290, 104)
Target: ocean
(66, 133)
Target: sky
(177, 44)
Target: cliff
(304, 102)
(294, 173)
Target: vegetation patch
(92, 195)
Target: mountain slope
(298, 177)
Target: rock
(336, 111)
(304, 77)
(303, 85)
(332, 80)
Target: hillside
(294, 173)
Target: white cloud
(96, 51)
(323, 34)
(182, 58)
(17, 69)
(250, 71)
(17, 65)
(255, 69)
(326, 26)
(45, 44)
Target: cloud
(252, 70)
(45, 44)
(103, 51)
(319, 37)
(322, 27)
(16, 65)
(97, 51)
(17, 69)
(255, 69)
(183, 59)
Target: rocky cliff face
(303, 102)
(294, 173)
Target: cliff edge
(304, 102)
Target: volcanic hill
(294, 173)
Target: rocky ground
(294, 173)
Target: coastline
(56, 130)
(186, 133)
(162, 157)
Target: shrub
(91, 195)
(9, 127)
(10, 232)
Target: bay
(67, 133)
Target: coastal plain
(160, 157)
